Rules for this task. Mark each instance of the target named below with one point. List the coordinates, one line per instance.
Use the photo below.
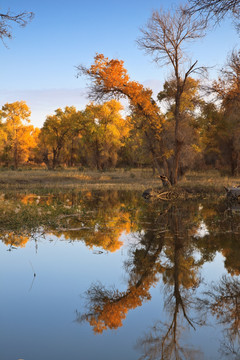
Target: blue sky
(39, 64)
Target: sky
(39, 64)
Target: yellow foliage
(19, 138)
(16, 240)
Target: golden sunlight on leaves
(110, 78)
(19, 139)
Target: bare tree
(215, 8)
(163, 38)
(9, 18)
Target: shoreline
(135, 179)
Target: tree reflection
(223, 301)
(181, 280)
(106, 308)
(100, 221)
(14, 240)
(163, 342)
(163, 250)
(224, 232)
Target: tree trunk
(153, 170)
(15, 157)
(98, 156)
(154, 156)
(234, 162)
(54, 161)
(178, 143)
(46, 160)
(16, 151)
(165, 167)
(71, 156)
(178, 148)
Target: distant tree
(3, 135)
(9, 18)
(164, 38)
(56, 130)
(135, 151)
(33, 150)
(211, 127)
(103, 131)
(228, 90)
(18, 135)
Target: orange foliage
(19, 139)
(111, 314)
(110, 77)
(15, 240)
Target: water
(111, 276)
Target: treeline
(101, 137)
(94, 137)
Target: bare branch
(165, 32)
(6, 21)
(214, 8)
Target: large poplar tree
(164, 38)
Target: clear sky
(38, 65)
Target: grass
(208, 182)
(120, 179)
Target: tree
(135, 151)
(18, 136)
(190, 103)
(211, 127)
(215, 8)
(227, 89)
(55, 132)
(164, 38)
(10, 18)
(3, 135)
(103, 131)
(110, 79)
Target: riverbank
(120, 179)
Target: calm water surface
(117, 277)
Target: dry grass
(120, 179)
(135, 179)
(209, 181)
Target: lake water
(117, 277)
